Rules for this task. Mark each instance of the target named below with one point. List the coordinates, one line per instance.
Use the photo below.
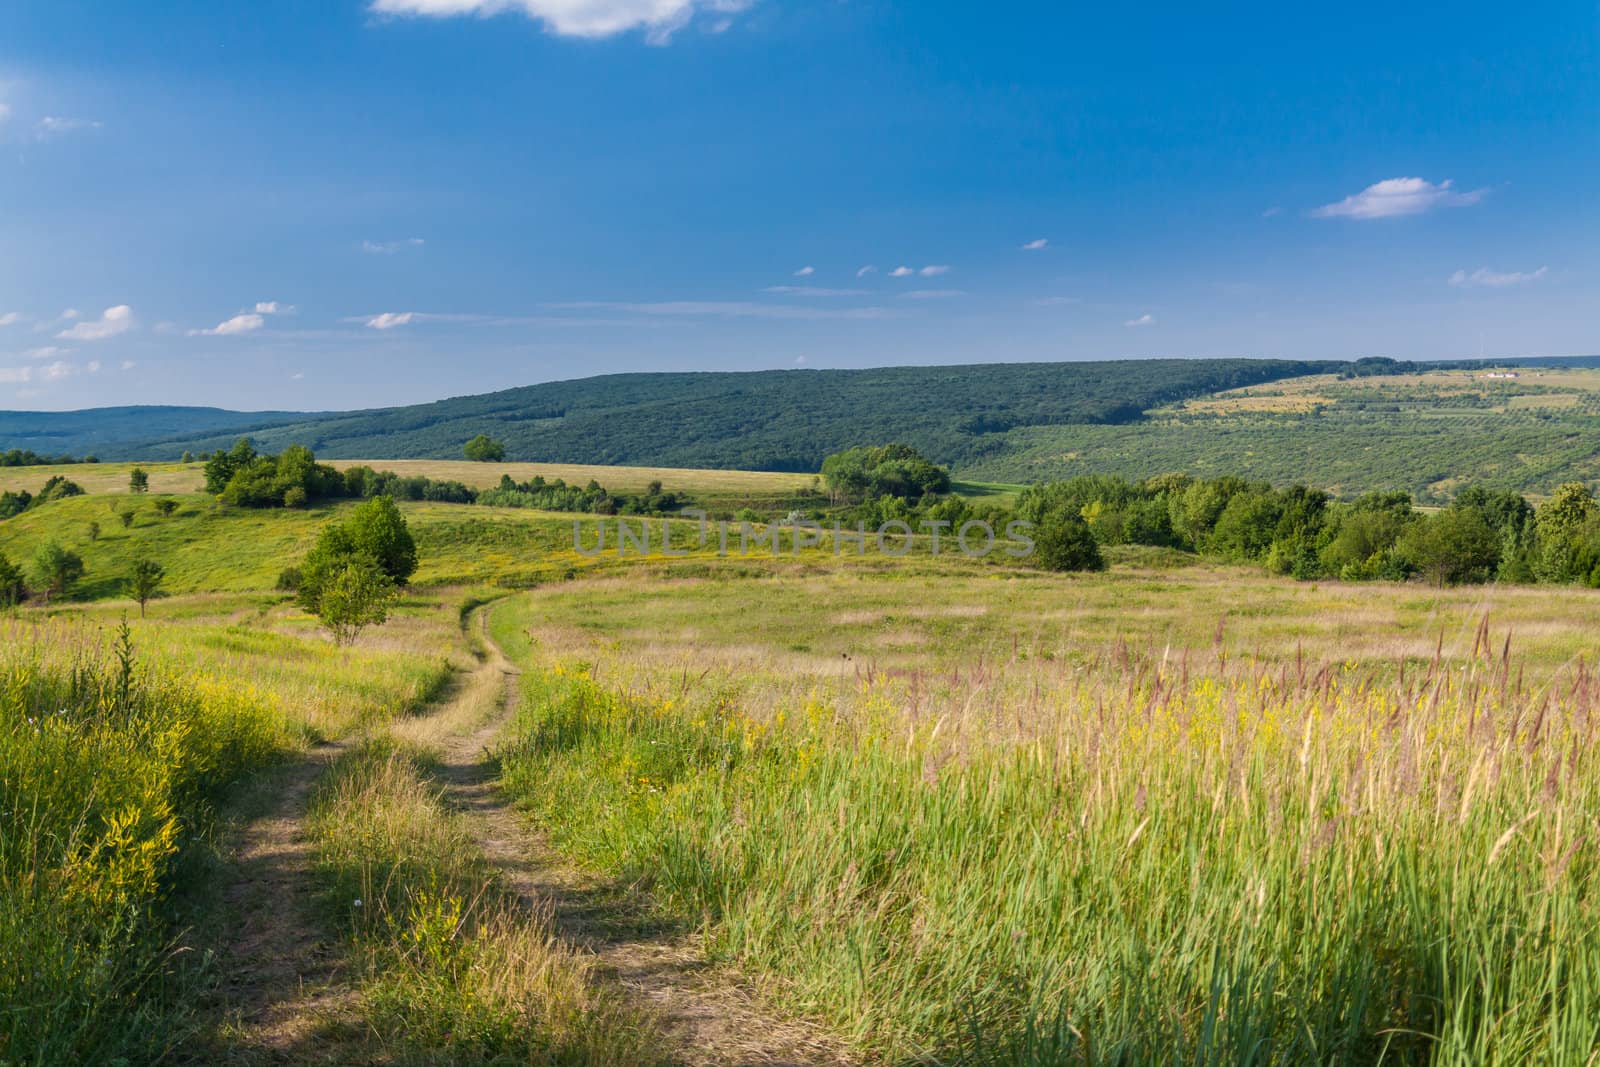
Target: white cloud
(128, 364)
(901, 272)
(864, 271)
(93, 366)
(932, 294)
(1395, 197)
(57, 370)
(10, 318)
(56, 125)
(15, 375)
(933, 272)
(1142, 320)
(390, 319)
(239, 324)
(812, 290)
(389, 248)
(72, 313)
(272, 307)
(298, 375)
(115, 320)
(46, 352)
(805, 272)
(1483, 276)
(1034, 246)
(579, 18)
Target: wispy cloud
(805, 272)
(388, 320)
(901, 272)
(812, 290)
(1491, 279)
(1142, 320)
(45, 352)
(128, 364)
(864, 271)
(1037, 245)
(113, 321)
(934, 272)
(932, 294)
(389, 248)
(15, 375)
(57, 126)
(732, 309)
(234, 327)
(10, 318)
(660, 19)
(273, 307)
(1396, 197)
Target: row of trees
(1484, 535)
(246, 478)
(557, 495)
(56, 570)
(23, 457)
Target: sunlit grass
(1046, 846)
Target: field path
(284, 991)
(708, 1015)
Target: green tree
(13, 590)
(1453, 546)
(485, 449)
(375, 530)
(144, 581)
(1064, 542)
(55, 569)
(187, 457)
(1559, 524)
(222, 466)
(871, 471)
(138, 480)
(166, 506)
(126, 517)
(355, 595)
(94, 531)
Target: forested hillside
(762, 420)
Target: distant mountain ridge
(1005, 420)
(785, 420)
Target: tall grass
(1146, 861)
(107, 770)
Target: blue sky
(342, 203)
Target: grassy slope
(1428, 434)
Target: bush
(484, 449)
(1064, 542)
(375, 531)
(289, 580)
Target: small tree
(13, 590)
(55, 569)
(145, 581)
(138, 481)
(188, 457)
(356, 595)
(485, 449)
(94, 531)
(166, 505)
(1064, 542)
(126, 515)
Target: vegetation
(1239, 855)
(13, 588)
(138, 480)
(56, 569)
(485, 449)
(57, 488)
(22, 457)
(353, 594)
(866, 473)
(108, 765)
(354, 564)
(144, 582)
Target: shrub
(1064, 542)
(484, 449)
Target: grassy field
(1145, 817)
